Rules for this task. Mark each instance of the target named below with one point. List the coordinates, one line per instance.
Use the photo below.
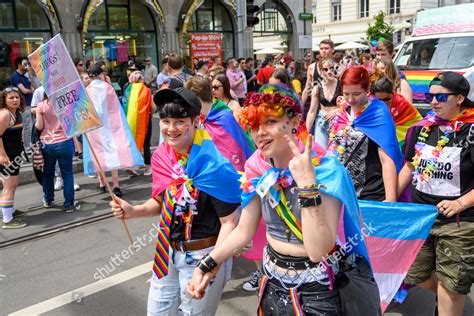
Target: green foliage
(380, 30)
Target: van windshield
(437, 53)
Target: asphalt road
(57, 274)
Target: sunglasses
(10, 89)
(440, 97)
(216, 87)
(80, 65)
(327, 69)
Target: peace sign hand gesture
(301, 167)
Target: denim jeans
(315, 299)
(63, 153)
(27, 120)
(321, 130)
(169, 293)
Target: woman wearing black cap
(440, 167)
(195, 192)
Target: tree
(380, 30)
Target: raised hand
(301, 166)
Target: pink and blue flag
(113, 143)
(394, 234)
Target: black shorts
(13, 169)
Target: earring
(293, 130)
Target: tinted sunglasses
(327, 69)
(440, 97)
(10, 89)
(216, 87)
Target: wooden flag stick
(109, 188)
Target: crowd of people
(311, 137)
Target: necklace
(432, 162)
(338, 142)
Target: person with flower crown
(440, 170)
(299, 192)
(195, 192)
(362, 135)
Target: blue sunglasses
(440, 97)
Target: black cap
(454, 82)
(200, 64)
(95, 70)
(186, 98)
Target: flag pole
(112, 195)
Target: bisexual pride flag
(228, 136)
(394, 234)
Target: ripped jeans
(169, 295)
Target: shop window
(6, 15)
(121, 31)
(271, 21)
(212, 17)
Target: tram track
(66, 226)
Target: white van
(443, 39)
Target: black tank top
(12, 137)
(332, 102)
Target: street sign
(306, 16)
(305, 41)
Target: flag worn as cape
(137, 104)
(404, 115)
(228, 136)
(208, 170)
(394, 234)
(377, 123)
(330, 172)
(113, 143)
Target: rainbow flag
(113, 143)
(228, 136)
(404, 115)
(137, 100)
(419, 81)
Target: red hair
(354, 76)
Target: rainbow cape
(206, 169)
(404, 115)
(377, 123)
(137, 100)
(113, 143)
(228, 136)
(388, 235)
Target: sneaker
(252, 284)
(13, 224)
(72, 208)
(118, 192)
(76, 187)
(18, 213)
(147, 172)
(101, 189)
(80, 157)
(92, 176)
(47, 204)
(58, 184)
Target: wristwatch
(309, 201)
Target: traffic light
(251, 9)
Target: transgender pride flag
(394, 233)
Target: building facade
(347, 20)
(116, 31)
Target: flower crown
(258, 99)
